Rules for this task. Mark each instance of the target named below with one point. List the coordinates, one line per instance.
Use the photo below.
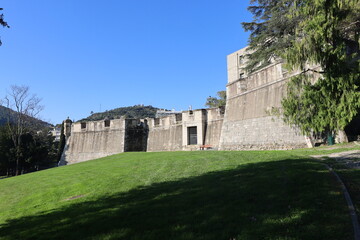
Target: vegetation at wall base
(178, 195)
(62, 143)
(26, 144)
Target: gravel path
(350, 159)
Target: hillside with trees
(34, 122)
(26, 144)
(136, 111)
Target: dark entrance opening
(192, 135)
(353, 129)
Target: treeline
(136, 111)
(26, 144)
(37, 151)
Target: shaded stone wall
(215, 117)
(136, 134)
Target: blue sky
(89, 55)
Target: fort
(243, 124)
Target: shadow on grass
(289, 199)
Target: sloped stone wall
(94, 141)
(248, 123)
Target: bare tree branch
(25, 106)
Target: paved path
(350, 159)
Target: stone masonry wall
(165, 134)
(250, 100)
(215, 117)
(94, 141)
(260, 133)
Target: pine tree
(319, 32)
(327, 36)
(3, 22)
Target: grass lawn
(350, 177)
(178, 195)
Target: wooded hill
(136, 111)
(35, 123)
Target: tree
(18, 124)
(219, 101)
(271, 31)
(3, 22)
(323, 33)
(61, 143)
(7, 159)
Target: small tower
(67, 127)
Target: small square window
(241, 60)
(83, 125)
(157, 121)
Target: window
(241, 75)
(83, 125)
(107, 123)
(157, 121)
(192, 135)
(178, 117)
(241, 60)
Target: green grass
(178, 195)
(350, 177)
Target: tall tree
(25, 105)
(61, 142)
(271, 31)
(323, 33)
(328, 36)
(3, 22)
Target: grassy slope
(178, 195)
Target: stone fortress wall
(96, 139)
(245, 122)
(250, 99)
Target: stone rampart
(215, 117)
(165, 134)
(248, 123)
(245, 123)
(89, 140)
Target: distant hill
(36, 123)
(136, 111)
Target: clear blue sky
(78, 55)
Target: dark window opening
(178, 117)
(241, 60)
(157, 121)
(192, 135)
(83, 125)
(191, 112)
(107, 123)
